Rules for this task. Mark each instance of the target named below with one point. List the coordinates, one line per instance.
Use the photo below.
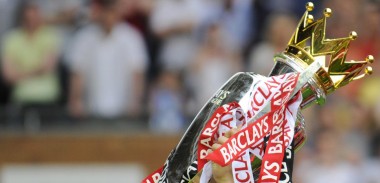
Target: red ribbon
(252, 136)
(154, 177)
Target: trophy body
(299, 56)
(233, 90)
(186, 151)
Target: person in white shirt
(174, 21)
(214, 64)
(108, 61)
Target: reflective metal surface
(308, 45)
(186, 151)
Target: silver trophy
(307, 45)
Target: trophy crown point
(327, 12)
(309, 44)
(353, 35)
(368, 70)
(310, 19)
(370, 59)
(309, 6)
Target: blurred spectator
(273, 6)
(370, 171)
(173, 21)
(279, 29)
(8, 9)
(236, 23)
(209, 11)
(264, 9)
(64, 15)
(30, 57)
(137, 14)
(166, 105)
(108, 60)
(235, 18)
(214, 64)
(369, 97)
(326, 163)
(345, 17)
(61, 12)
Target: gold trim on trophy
(337, 72)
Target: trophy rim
(318, 93)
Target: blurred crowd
(161, 60)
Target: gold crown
(338, 72)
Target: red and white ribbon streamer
(154, 177)
(256, 131)
(277, 90)
(266, 110)
(224, 119)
